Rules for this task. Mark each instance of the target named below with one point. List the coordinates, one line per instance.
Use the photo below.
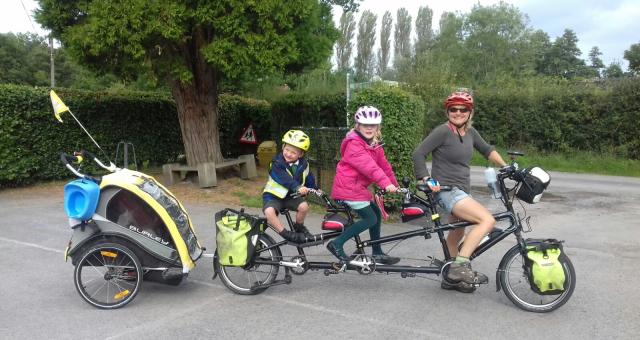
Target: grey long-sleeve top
(450, 164)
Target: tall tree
(564, 56)
(596, 61)
(193, 46)
(495, 43)
(424, 32)
(344, 45)
(632, 55)
(384, 54)
(540, 45)
(366, 40)
(614, 70)
(402, 37)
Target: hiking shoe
(300, 228)
(385, 259)
(461, 286)
(463, 272)
(338, 253)
(293, 236)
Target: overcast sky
(612, 25)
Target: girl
(363, 162)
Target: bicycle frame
(515, 227)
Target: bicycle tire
(108, 275)
(243, 280)
(515, 283)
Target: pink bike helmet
(368, 115)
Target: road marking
(33, 245)
(356, 316)
(321, 309)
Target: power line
(28, 16)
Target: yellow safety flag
(58, 105)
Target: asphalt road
(597, 216)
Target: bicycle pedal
(328, 272)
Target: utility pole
(348, 97)
(53, 68)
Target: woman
(452, 145)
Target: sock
(461, 259)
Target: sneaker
(300, 228)
(338, 253)
(463, 272)
(385, 259)
(461, 286)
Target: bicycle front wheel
(108, 275)
(515, 283)
(248, 279)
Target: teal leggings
(370, 218)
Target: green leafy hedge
(235, 113)
(553, 115)
(402, 125)
(301, 109)
(31, 138)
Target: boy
(289, 180)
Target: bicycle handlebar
(78, 157)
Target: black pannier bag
(536, 180)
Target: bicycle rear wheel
(246, 280)
(108, 275)
(515, 283)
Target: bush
(298, 109)
(402, 125)
(31, 139)
(235, 113)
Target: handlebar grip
(88, 154)
(65, 158)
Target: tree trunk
(197, 105)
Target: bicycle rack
(125, 154)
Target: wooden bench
(174, 172)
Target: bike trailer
(135, 210)
(535, 182)
(236, 236)
(545, 271)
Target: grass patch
(248, 200)
(578, 162)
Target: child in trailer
(363, 163)
(289, 181)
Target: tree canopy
(192, 46)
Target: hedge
(31, 138)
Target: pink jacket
(360, 166)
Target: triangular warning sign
(248, 136)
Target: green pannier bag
(545, 271)
(236, 237)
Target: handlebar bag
(236, 237)
(81, 199)
(535, 181)
(545, 271)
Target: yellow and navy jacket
(283, 181)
